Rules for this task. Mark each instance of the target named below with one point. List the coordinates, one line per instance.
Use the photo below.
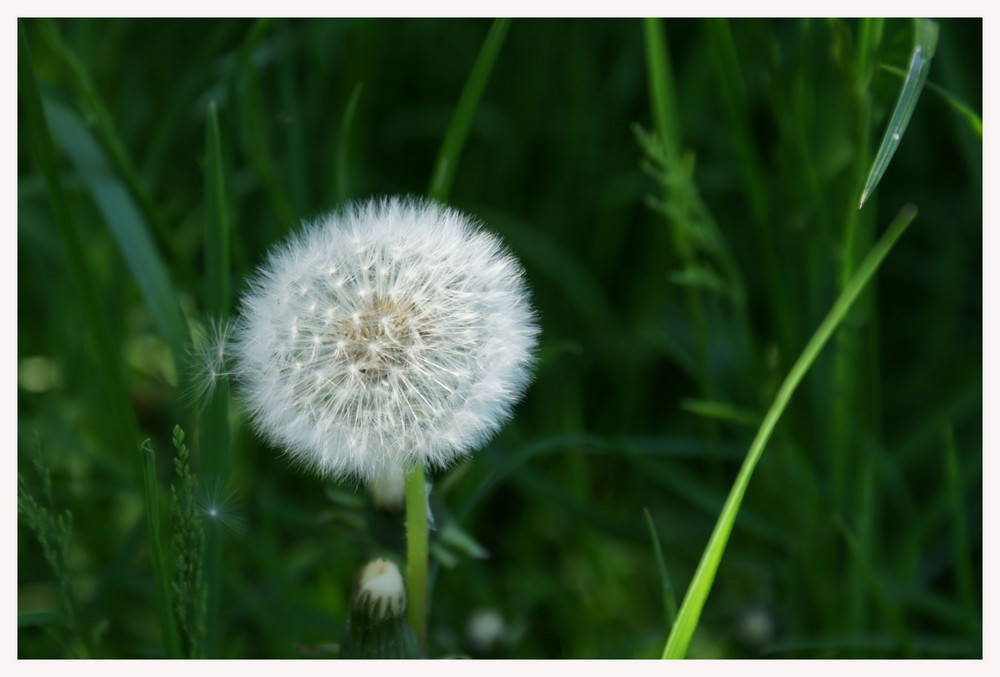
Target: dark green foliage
(666, 331)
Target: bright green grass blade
(214, 442)
(669, 598)
(701, 584)
(164, 607)
(342, 190)
(890, 611)
(916, 76)
(975, 122)
(126, 224)
(119, 407)
(451, 148)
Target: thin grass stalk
(342, 177)
(856, 357)
(731, 91)
(214, 443)
(960, 534)
(697, 592)
(663, 102)
(890, 611)
(666, 588)
(446, 165)
(164, 605)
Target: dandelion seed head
(404, 334)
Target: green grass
(684, 197)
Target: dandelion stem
(416, 551)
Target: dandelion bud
(394, 332)
(485, 631)
(377, 626)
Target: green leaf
(916, 76)
(701, 584)
(125, 222)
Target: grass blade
(164, 606)
(660, 81)
(126, 224)
(100, 121)
(963, 109)
(960, 536)
(216, 223)
(889, 610)
(345, 128)
(214, 443)
(451, 148)
(669, 599)
(701, 584)
(110, 363)
(916, 76)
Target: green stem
(416, 551)
(701, 584)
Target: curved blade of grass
(119, 407)
(125, 222)
(164, 607)
(451, 148)
(345, 128)
(103, 126)
(669, 599)
(214, 444)
(701, 584)
(974, 120)
(916, 76)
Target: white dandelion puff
(393, 332)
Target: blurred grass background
(665, 332)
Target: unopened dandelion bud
(388, 491)
(485, 631)
(377, 626)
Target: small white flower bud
(380, 590)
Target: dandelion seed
(208, 360)
(415, 353)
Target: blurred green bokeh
(552, 165)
